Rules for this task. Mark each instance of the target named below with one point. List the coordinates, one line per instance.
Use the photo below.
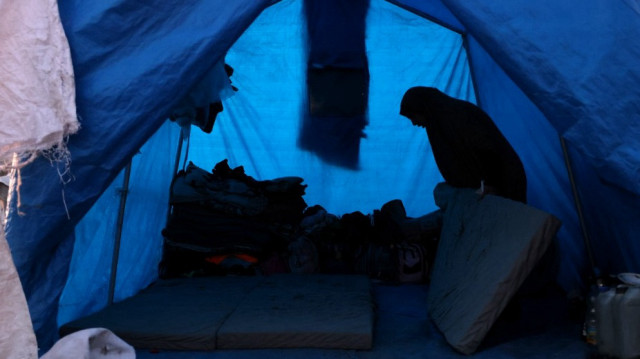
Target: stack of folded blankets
(225, 220)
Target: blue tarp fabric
(131, 61)
(541, 70)
(590, 90)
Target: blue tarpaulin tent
(558, 78)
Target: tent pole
(116, 246)
(585, 234)
(175, 167)
(178, 152)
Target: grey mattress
(280, 311)
(487, 248)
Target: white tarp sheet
(37, 90)
(17, 339)
(37, 113)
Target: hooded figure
(469, 149)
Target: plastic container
(618, 322)
(607, 333)
(628, 311)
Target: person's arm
(502, 170)
(485, 189)
(487, 144)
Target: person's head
(417, 119)
(417, 104)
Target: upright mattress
(279, 311)
(488, 246)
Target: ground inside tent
(402, 329)
(486, 248)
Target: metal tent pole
(116, 246)
(578, 203)
(175, 167)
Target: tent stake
(116, 246)
(576, 197)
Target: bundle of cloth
(226, 220)
(386, 245)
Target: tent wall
(260, 124)
(87, 286)
(576, 61)
(612, 218)
(433, 10)
(132, 62)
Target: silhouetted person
(470, 151)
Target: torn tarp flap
(37, 95)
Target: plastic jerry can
(607, 334)
(628, 312)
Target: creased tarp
(579, 66)
(260, 124)
(133, 61)
(37, 91)
(17, 339)
(433, 10)
(87, 286)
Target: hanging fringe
(58, 156)
(64, 202)
(17, 191)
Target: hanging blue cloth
(337, 78)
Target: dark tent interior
(243, 185)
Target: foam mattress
(279, 311)
(487, 248)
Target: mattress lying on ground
(280, 311)
(488, 246)
(177, 314)
(302, 311)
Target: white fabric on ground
(93, 343)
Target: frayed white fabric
(37, 89)
(17, 339)
(94, 343)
